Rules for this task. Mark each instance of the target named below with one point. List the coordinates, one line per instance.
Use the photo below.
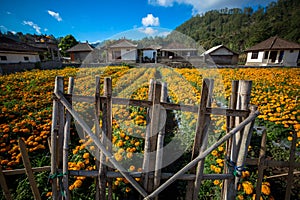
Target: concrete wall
(8, 68)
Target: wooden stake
(54, 129)
(98, 143)
(27, 165)
(66, 140)
(291, 167)
(4, 186)
(202, 156)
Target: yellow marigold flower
(118, 157)
(214, 153)
(136, 144)
(248, 187)
(122, 135)
(86, 155)
(240, 197)
(117, 182)
(216, 182)
(265, 189)
(127, 189)
(218, 170)
(78, 183)
(132, 168)
(220, 148)
(290, 138)
(245, 174)
(120, 143)
(129, 155)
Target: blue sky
(97, 20)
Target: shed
(221, 55)
(80, 51)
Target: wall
(8, 68)
(19, 57)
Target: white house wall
(290, 58)
(19, 57)
(258, 61)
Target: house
(274, 51)
(80, 51)
(221, 55)
(177, 51)
(122, 50)
(12, 51)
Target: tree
(66, 43)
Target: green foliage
(239, 29)
(66, 43)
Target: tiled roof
(80, 47)
(7, 44)
(123, 43)
(274, 43)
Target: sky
(98, 20)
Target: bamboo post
(160, 142)
(98, 143)
(54, 130)
(66, 145)
(200, 135)
(154, 129)
(203, 128)
(61, 125)
(191, 164)
(260, 164)
(97, 132)
(230, 122)
(243, 137)
(106, 134)
(27, 165)
(147, 145)
(291, 167)
(4, 187)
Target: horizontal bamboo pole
(271, 163)
(167, 106)
(97, 142)
(22, 171)
(203, 155)
(111, 174)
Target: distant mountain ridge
(240, 29)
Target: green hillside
(241, 28)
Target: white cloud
(150, 20)
(200, 6)
(55, 15)
(148, 31)
(33, 25)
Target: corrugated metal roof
(274, 43)
(80, 47)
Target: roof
(8, 44)
(123, 43)
(215, 48)
(81, 47)
(274, 43)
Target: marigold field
(26, 112)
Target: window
(26, 58)
(3, 58)
(254, 55)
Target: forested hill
(241, 28)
